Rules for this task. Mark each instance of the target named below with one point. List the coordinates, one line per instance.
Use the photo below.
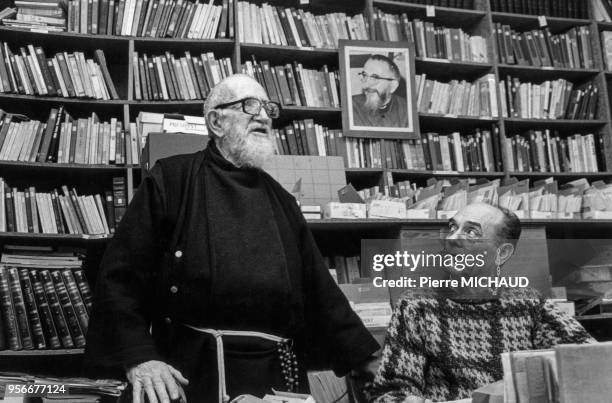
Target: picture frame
(378, 99)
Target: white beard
(249, 150)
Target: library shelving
(478, 20)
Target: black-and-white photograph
(378, 87)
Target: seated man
(442, 347)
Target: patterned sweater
(442, 349)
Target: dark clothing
(212, 245)
(395, 114)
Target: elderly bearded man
(377, 105)
(214, 257)
(441, 347)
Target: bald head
(232, 88)
(489, 222)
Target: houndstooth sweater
(442, 349)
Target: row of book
(602, 10)
(539, 47)
(62, 139)
(457, 98)
(292, 84)
(32, 211)
(558, 99)
(152, 18)
(546, 151)
(43, 308)
(550, 8)
(430, 40)
(304, 137)
(30, 72)
(38, 15)
(270, 25)
(165, 77)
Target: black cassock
(210, 245)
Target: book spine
(56, 310)
(38, 336)
(20, 310)
(68, 309)
(9, 318)
(44, 310)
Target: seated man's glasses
(252, 106)
(375, 77)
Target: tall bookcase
(333, 237)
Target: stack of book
(292, 84)
(33, 211)
(304, 137)
(572, 49)
(430, 40)
(30, 72)
(152, 18)
(189, 77)
(558, 99)
(480, 151)
(46, 300)
(38, 14)
(552, 8)
(62, 139)
(457, 98)
(546, 151)
(271, 25)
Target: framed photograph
(377, 85)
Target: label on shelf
(542, 21)
(304, 2)
(445, 172)
(450, 115)
(548, 68)
(39, 30)
(430, 11)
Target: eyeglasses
(252, 106)
(365, 77)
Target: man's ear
(213, 118)
(394, 85)
(504, 252)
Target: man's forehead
(481, 213)
(376, 65)
(245, 87)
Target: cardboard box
(344, 210)
(386, 209)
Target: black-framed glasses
(365, 77)
(253, 106)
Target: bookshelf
(479, 20)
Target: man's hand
(158, 380)
(367, 370)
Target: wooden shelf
(281, 55)
(28, 236)
(545, 73)
(569, 175)
(558, 124)
(61, 100)
(410, 172)
(42, 353)
(443, 15)
(523, 22)
(65, 35)
(439, 68)
(601, 316)
(434, 121)
(71, 167)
